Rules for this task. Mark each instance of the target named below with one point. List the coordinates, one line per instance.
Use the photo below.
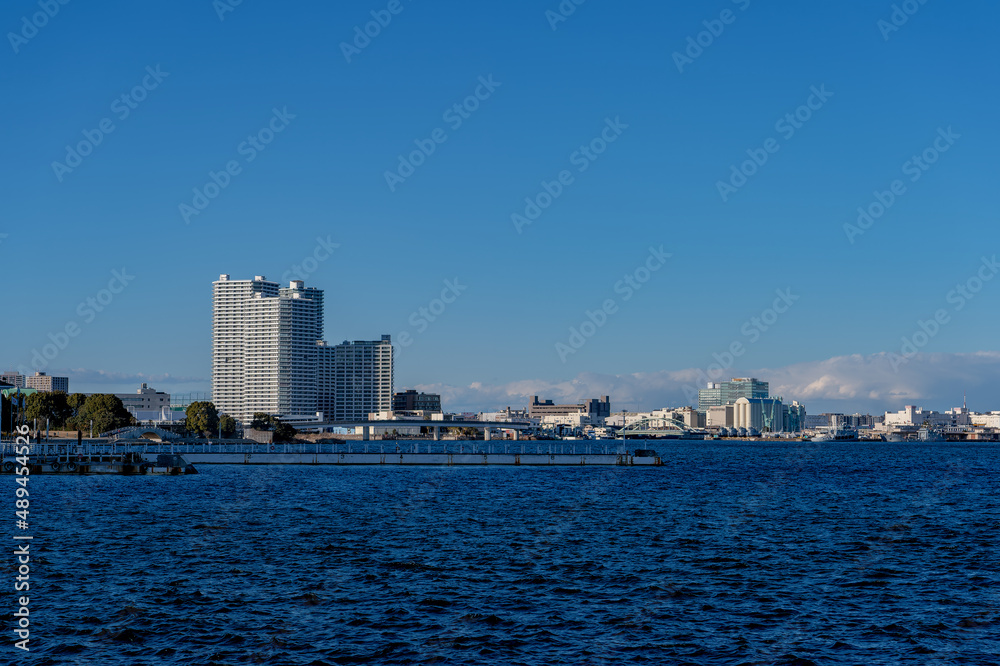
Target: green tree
(262, 421)
(107, 412)
(76, 401)
(202, 418)
(52, 406)
(284, 432)
(228, 425)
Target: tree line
(75, 411)
(70, 412)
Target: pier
(384, 452)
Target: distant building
(44, 383)
(13, 378)
(912, 416)
(720, 417)
(819, 420)
(355, 379)
(508, 415)
(795, 417)
(264, 347)
(727, 393)
(147, 404)
(410, 400)
(269, 355)
(761, 414)
(991, 420)
(596, 410)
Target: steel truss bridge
(661, 427)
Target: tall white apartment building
(268, 355)
(264, 347)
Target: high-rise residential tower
(356, 379)
(264, 347)
(268, 355)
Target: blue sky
(553, 90)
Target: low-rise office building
(410, 400)
(596, 410)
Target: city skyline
(696, 182)
(646, 391)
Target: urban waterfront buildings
(268, 355)
(40, 381)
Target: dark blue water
(746, 553)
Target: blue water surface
(732, 553)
